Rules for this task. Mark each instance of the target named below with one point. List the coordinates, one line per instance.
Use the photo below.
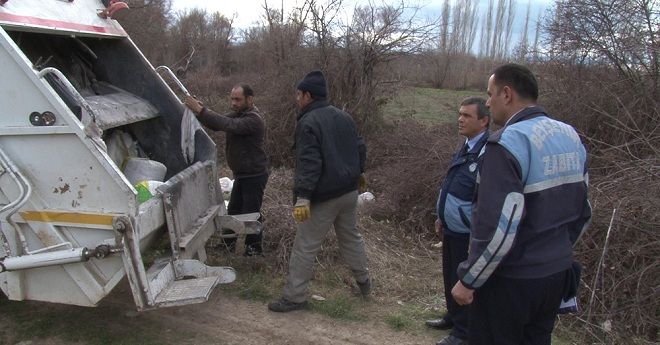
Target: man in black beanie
(330, 160)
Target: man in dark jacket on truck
(246, 157)
(530, 209)
(454, 209)
(329, 162)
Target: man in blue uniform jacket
(454, 209)
(531, 207)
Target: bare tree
(283, 34)
(323, 21)
(523, 45)
(147, 23)
(537, 33)
(498, 29)
(486, 30)
(510, 16)
(471, 25)
(376, 36)
(444, 26)
(458, 28)
(502, 28)
(201, 39)
(623, 34)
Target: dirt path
(230, 320)
(250, 323)
(222, 320)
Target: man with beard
(245, 130)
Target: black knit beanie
(314, 83)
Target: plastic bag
(365, 198)
(227, 185)
(143, 169)
(189, 125)
(147, 189)
(121, 146)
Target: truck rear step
(183, 282)
(191, 211)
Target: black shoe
(451, 340)
(365, 287)
(284, 306)
(440, 324)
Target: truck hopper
(71, 225)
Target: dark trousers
(516, 311)
(246, 197)
(454, 251)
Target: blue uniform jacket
(454, 205)
(531, 203)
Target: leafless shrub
(616, 125)
(626, 292)
(201, 39)
(603, 78)
(279, 225)
(149, 37)
(407, 162)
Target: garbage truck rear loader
(79, 105)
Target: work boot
(283, 305)
(365, 287)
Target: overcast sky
(248, 12)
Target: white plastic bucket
(143, 169)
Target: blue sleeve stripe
(501, 242)
(555, 182)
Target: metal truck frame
(71, 226)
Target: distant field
(427, 105)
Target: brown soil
(222, 320)
(229, 320)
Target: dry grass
(404, 267)
(399, 262)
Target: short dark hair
(519, 78)
(247, 89)
(482, 109)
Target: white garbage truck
(84, 120)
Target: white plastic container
(143, 169)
